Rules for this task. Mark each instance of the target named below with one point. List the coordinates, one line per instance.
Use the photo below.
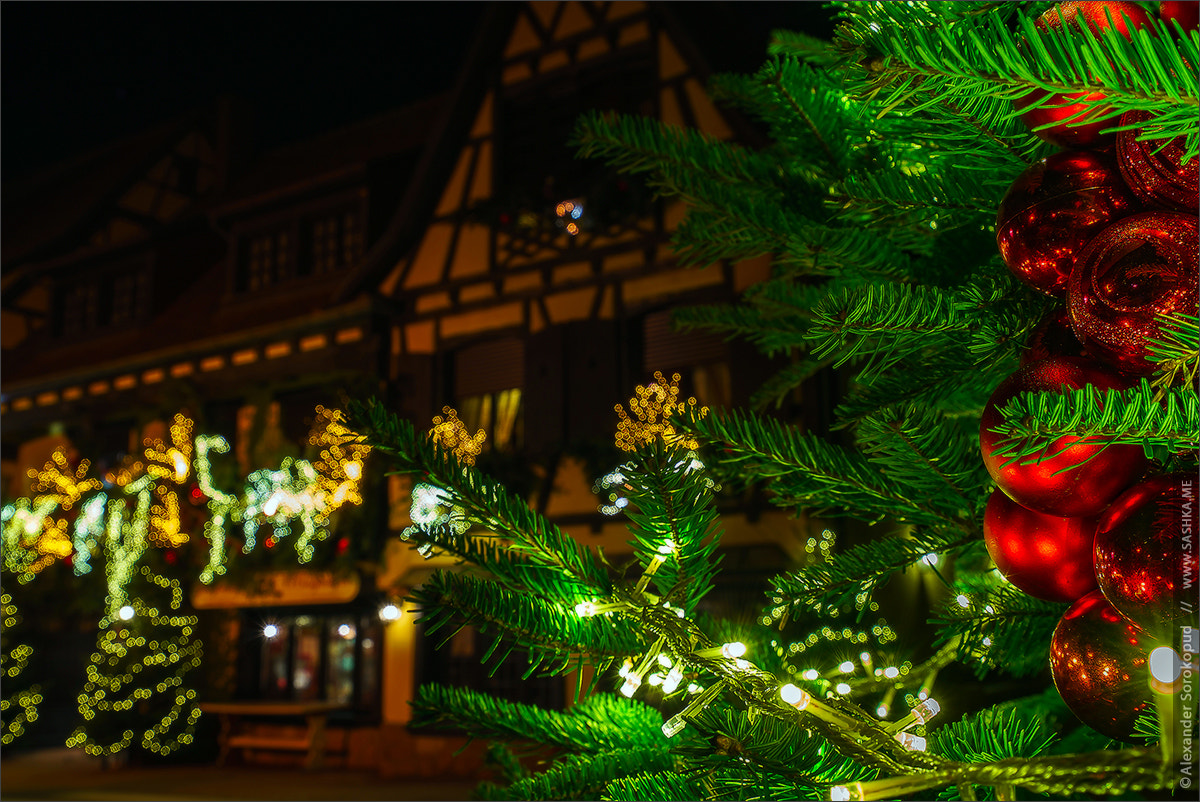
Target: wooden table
(313, 742)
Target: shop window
(328, 657)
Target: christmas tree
(983, 214)
(136, 695)
(19, 706)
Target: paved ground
(65, 774)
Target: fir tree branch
(804, 470)
(675, 504)
(997, 625)
(600, 723)
(919, 448)
(943, 61)
(1034, 422)
(662, 785)
(1178, 352)
(487, 503)
(886, 323)
(754, 744)
(856, 572)
(991, 735)
(551, 633)
(585, 776)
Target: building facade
(448, 254)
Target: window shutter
(489, 366)
(667, 350)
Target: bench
(312, 743)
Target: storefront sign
(278, 588)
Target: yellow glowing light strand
(20, 708)
(220, 504)
(33, 538)
(58, 480)
(651, 408)
(125, 542)
(170, 466)
(451, 434)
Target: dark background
(74, 76)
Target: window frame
(297, 221)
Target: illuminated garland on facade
(145, 650)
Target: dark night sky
(74, 76)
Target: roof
(43, 211)
(333, 154)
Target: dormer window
(266, 260)
(99, 300)
(333, 242)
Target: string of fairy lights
(21, 707)
(146, 649)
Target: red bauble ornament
(1185, 12)
(1132, 271)
(343, 544)
(1140, 557)
(1047, 482)
(1046, 556)
(1052, 337)
(170, 557)
(1061, 108)
(1155, 171)
(1098, 660)
(1053, 209)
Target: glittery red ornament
(1154, 170)
(1132, 271)
(1071, 477)
(1047, 556)
(1059, 109)
(1052, 337)
(1185, 12)
(1052, 210)
(1098, 661)
(1141, 561)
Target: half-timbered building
(450, 253)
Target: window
(488, 379)
(330, 657)
(110, 298)
(265, 260)
(700, 358)
(537, 167)
(78, 309)
(498, 414)
(333, 242)
(127, 291)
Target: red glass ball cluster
(1109, 228)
